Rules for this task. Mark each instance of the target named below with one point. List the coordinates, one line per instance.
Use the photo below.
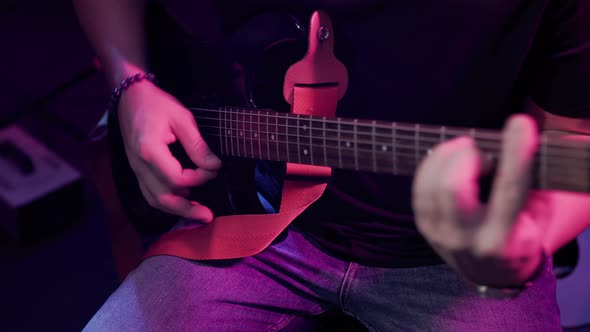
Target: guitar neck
(373, 146)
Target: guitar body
(245, 69)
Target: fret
(393, 146)
(298, 145)
(346, 143)
(251, 131)
(267, 136)
(241, 144)
(324, 136)
(339, 146)
(242, 116)
(365, 147)
(223, 125)
(286, 139)
(220, 126)
(275, 136)
(417, 145)
(232, 134)
(355, 143)
(257, 136)
(310, 141)
(373, 136)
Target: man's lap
(293, 280)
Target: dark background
(49, 88)
(58, 282)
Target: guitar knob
(323, 33)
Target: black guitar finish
(245, 69)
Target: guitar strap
(239, 236)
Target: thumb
(190, 138)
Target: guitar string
(368, 124)
(550, 142)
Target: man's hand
(150, 120)
(498, 243)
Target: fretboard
(373, 146)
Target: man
(396, 252)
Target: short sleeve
(560, 73)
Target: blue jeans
(293, 281)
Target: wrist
(122, 71)
(125, 84)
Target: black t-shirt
(458, 62)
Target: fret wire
(223, 129)
(277, 136)
(251, 133)
(417, 146)
(324, 135)
(268, 143)
(258, 137)
(356, 158)
(374, 148)
(298, 145)
(237, 132)
(339, 146)
(311, 141)
(287, 140)
(393, 147)
(231, 114)
(220, 133)
(243, 133)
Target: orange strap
(245, 235)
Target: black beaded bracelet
(100, 130)
(125, 84)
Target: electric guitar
(245, 121)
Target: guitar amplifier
(40, 193)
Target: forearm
(115, 28)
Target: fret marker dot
(305, 152)
(348, 144)
(383, 148)
(272, 136)
(255, 134)
(304, 127)
(229, 132)
(241, 133)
